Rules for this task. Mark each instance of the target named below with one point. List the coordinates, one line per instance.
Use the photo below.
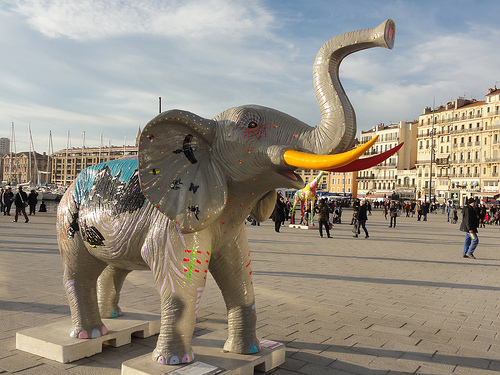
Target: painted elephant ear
(176, 171)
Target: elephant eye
(252, 124)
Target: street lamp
(344, 184)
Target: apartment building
(343, 183)
(461, 139)
(25, 167)
(68, 163)
(385, 179)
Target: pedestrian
(32, 201)
(482, 215)
(393, 209)
(385, 211)
(21, 201)
(425, 210)
(470, 222)
(361, 218)
(1, 199)
(323, 212)
(278, 214)
(43, 207)
(8, 198)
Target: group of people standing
(21, 200)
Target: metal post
(344, 184)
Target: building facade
(459, 150)
(25, 167)
(68, 163)
(4, 146)
(382, 180)
(343, 183)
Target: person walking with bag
(21, 201)
(361, 219)
(470, 222)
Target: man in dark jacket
(323, 217)
(278, 215)
(361, 218)
(470, 222)
(21, 201)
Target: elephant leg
(109, 286)
(178, 318)
(81, 272)
(180, 283)
(231, 269)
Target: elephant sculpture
(179, 208)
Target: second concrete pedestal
(211, 360)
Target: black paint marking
(193, 188)
(196, 211)
(187, 149)
(175, 185)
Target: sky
(93, 67)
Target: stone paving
(403, 301)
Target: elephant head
(187, 163)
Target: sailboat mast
(66, 161)
(100, 148)
(32, 146)
(48, 155)
(10, 147)
(28, 177)
(83, 151)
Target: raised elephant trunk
(338, 121)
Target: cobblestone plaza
(402, 301)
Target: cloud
(99, 19)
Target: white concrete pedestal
(211, 360)
(52, 341)
(297, 226)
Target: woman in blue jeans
(470, 222)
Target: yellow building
(68, 163)
(344, 184)
(462, 140)
(25, 167)
(384, 179)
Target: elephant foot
(173, 358)
(80, 333)
(110, 312)
(241, 346)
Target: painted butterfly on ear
(193, 188)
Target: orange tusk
(324, 162)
